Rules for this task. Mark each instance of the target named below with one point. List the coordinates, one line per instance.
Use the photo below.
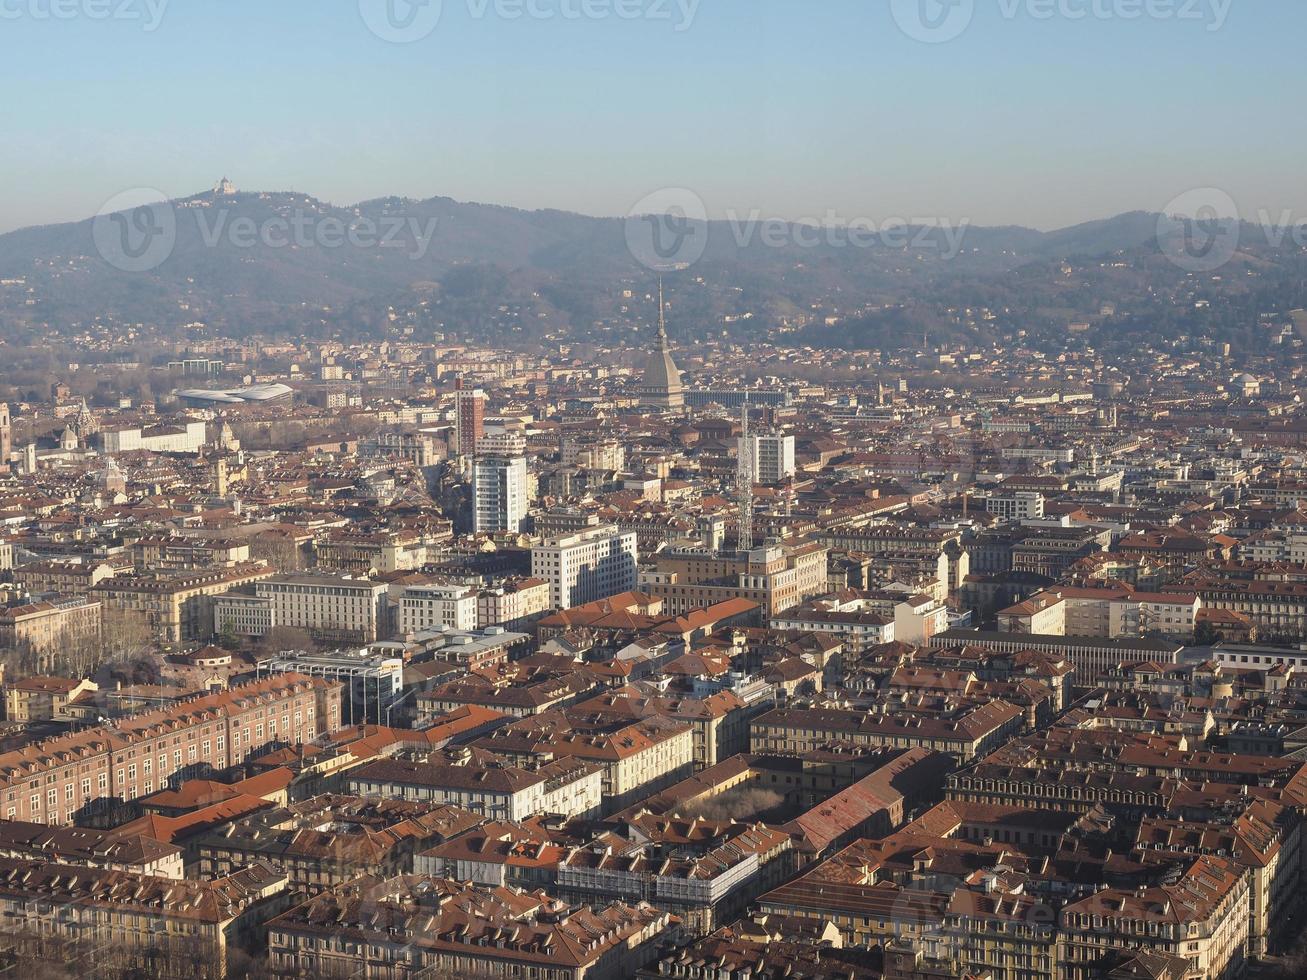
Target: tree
(281, 638)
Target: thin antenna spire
(662, 314)
(744, 479)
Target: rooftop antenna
(744, 479)
(662, 315)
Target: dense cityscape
(403, 657)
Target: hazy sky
(1041, 112)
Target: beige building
(64, 577)
(485, 784)
(418, 926)
(41, 698)
(513, 604)
(776, 576)
(360, 554)
(1203, 918)
(174, 607)
(45, 628)
(116, 923)
(966, 732)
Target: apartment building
(513, 604)
(86, 771)
(638, 755)
(46, 627)
(589, 565)
(364, 553)
(421, 926)
(486, 784)
(338, 607)
(965, 732)
(772, 456)
(63, 577)
(1202, 918)
(424, 607)
(177, 606)
(1277, 609)
(776, 576)
(324, 841)
(1022, 505)
(1045, 613)
(469, 419)
(109, 850)
(41, 698)
(500, 494)
(117, 923)
(1114, 612)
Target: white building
(329, 605)
(1019, 506)
(189, 437)
(428, 606)
(501, 442)
(773, 457)
(243, 615)
(587, 566)
(499, 491)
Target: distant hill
(269, 262)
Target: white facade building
(500, 494)
(587, 566)
(431, 606)
(331, 605)
(773, 457)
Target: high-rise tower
(6, 436)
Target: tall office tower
(772, 457)
(469, 418)
(6, 435)
(589, 565)
(499, 494)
